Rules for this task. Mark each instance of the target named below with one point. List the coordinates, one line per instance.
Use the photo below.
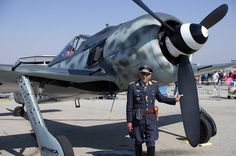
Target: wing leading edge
(201, 69)
(54, 75)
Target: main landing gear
(207, 126)
(19, 111)
(48, 144)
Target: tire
(19, 111)
(206, 130)
(66, 145)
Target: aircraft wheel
(66, 145)
(206, 131)
(19, 111)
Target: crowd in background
(217, 77)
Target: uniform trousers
(146, 130)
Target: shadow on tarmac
(110, 139)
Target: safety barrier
(207, 89)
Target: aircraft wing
(39, 73)
(201, 69)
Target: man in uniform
(141, 112)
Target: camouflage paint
(135, 43)
(132, 44)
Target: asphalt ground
(93, 130)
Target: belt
(151, 110)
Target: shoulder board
(132, 82)
(153, 81)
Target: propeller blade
(215, 16)
(144, 7)
(189, 102)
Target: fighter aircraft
(106, 62)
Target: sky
(44, 27)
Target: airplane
(106, 62)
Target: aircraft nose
(194, 35)
(199, 34)
(187, 39)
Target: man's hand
(178, 97)
(130, 126)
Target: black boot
(138, 150)
(151, 151)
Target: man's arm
(171, 101)
(129, 108)
(164, 99)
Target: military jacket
(140, 97)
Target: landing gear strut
(48, 144)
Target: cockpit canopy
(83, 42)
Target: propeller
(215, 16)
(186, 81)
(187, 85)
(189, 102)
(144, 7)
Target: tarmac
(95, 130)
